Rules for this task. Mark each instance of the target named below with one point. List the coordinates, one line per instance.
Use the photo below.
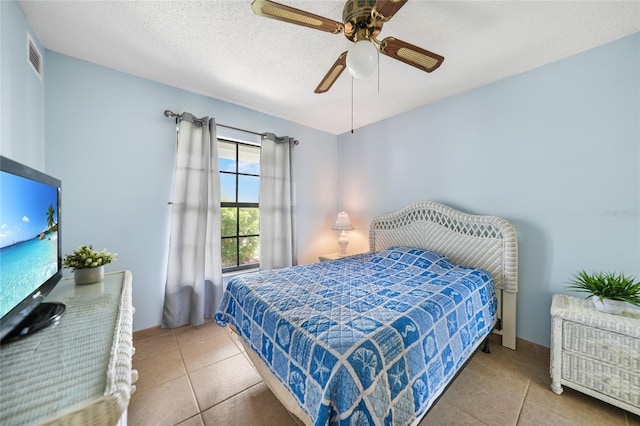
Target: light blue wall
(555, 150)
(109, 142)
(21, 91)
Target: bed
(376, 338)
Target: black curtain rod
(171, 114)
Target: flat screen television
(30, 250)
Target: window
(240, 216)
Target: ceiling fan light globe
(362, 59)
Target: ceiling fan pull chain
(351, 104)
(378, 72)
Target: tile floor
(200, 376)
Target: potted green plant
(609, 291)
(87, 264)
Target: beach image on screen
(28, 237)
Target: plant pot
(89, 275)
(609, 306)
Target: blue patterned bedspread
(368, 339)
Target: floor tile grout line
(227, 398)
(146, 359)
(181, 349)
(213, 363)
(480, 421)
(193, 391)
(562, 414)
(189, 418)
(209, 365)
(471, 415)
(236, 394)
(200, 410)
(524, 398)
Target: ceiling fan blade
(410, 54)
(284, 13)
(333, 74)
(385, 9)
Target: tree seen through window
(240, 217)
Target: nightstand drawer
(603, 345)
(595, 353)
(601, 377)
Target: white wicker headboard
(487, 242)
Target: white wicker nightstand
(334, 256)
(331, 256)
(595, 353)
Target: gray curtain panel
(277, 203)
(194, 273)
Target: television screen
(30, 256)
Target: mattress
(368, 339)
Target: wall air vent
(34, 57)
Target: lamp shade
(343, 223)
(362, 59)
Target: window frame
(239, 205)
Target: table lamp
(343, 224)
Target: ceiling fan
(362, 22)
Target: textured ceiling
(222, 50)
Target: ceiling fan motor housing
(358, 23)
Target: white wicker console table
(79, 370)
(596, 353)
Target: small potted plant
(610, 292)
(87, 264)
